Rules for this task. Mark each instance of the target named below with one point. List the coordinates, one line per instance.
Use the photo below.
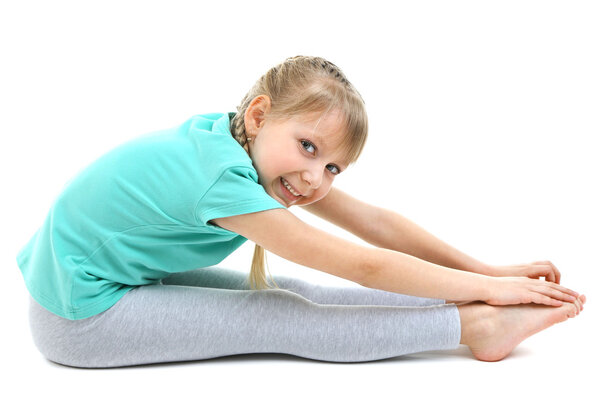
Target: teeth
(287, 185)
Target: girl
(117, 272)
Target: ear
(256, 114)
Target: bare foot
(492, 332)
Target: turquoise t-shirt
(140, 213)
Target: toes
(581, 299)
(571, 310)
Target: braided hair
(297, 86)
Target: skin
(303, 151)
(492, 332)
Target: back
(140, 213)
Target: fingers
(561, 288)
(539, 298)
(555, 294)
(544, 271)
(552, 294)
(552, 274)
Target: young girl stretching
(117, 272)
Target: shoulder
(213, 142)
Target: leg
(218, 277)
(165, 323)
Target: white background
(484, 118)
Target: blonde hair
(298, 86)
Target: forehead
(328, 132)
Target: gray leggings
(212, 312)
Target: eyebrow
(317, 139)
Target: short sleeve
(236, 191)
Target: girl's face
(301, 152)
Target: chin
(305, 202)
(279, 200)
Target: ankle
(476, 322)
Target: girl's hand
(534, 270)
(508, 290)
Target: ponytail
(257, 277)
(297, 86)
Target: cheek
(279, 164)
(325, 187)
(268, 163)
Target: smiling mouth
(288, 191)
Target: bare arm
(282, 233)
(387, 229)
(401, 234)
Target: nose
(313, 176)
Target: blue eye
(337, 170)
(309, 144)
(306, 144)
